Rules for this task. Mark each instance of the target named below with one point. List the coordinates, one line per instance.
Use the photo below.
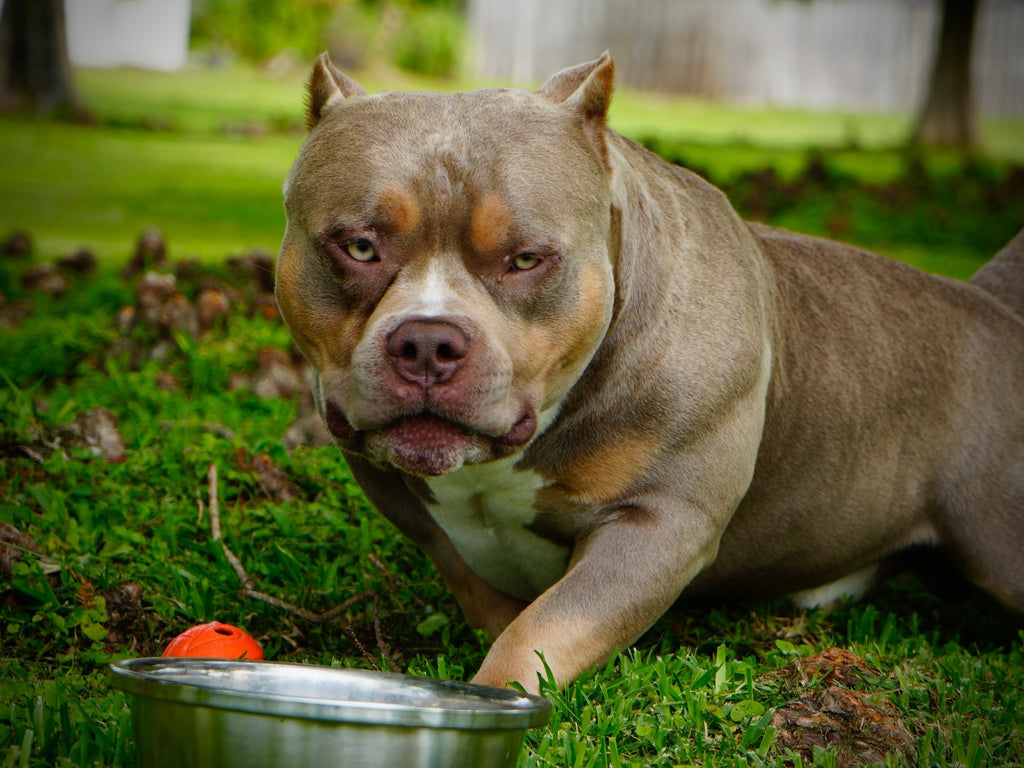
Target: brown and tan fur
(545, 351)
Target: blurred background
(895, 124)
(143, 145)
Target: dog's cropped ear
(586, 89)
(327, 84)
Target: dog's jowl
(584, 386)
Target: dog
(572, 375)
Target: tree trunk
(948, 117)
(34, 69)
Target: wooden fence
(828, 54)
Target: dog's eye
(525, 261)
(361, 250)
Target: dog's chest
(485, 510)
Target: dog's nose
(427, 352)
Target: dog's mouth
(427, 443)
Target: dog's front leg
(484, 606)
(622, 577)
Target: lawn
(110, 555)
(201, 155)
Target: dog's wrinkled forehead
(446, 150)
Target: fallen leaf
(153, 290)
(98, 429)
(276, 375)
(212, 306)
(18, 244)
(833, 665)
(308, 428)
(858, 731)
(14, 545)
(46, 279)
(273, 480)
(150, 251)
(80, 262)
(125, 616)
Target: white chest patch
(484, 509)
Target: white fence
(151, 34)
(830, 54)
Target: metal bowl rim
(522, 711)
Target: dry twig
(249, 591)
(236, 564)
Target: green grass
(699, 689)
(234, 99)
(708, 123)
(240, 99)
(214, 194)
(73, 186)
(196, 100)
(201, 155)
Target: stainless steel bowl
(199, 713)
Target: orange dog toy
(215, 641)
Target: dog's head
(445, 266)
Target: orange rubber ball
(215, 641)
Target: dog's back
(1003, 277)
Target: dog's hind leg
(1003, 276)
(983, 527)
(980, 511)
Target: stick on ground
(249, 591)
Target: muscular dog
(582, 384)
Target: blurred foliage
(421, 36)
(429, 41)
(201, 154)
(946, 208)
(260, 29)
